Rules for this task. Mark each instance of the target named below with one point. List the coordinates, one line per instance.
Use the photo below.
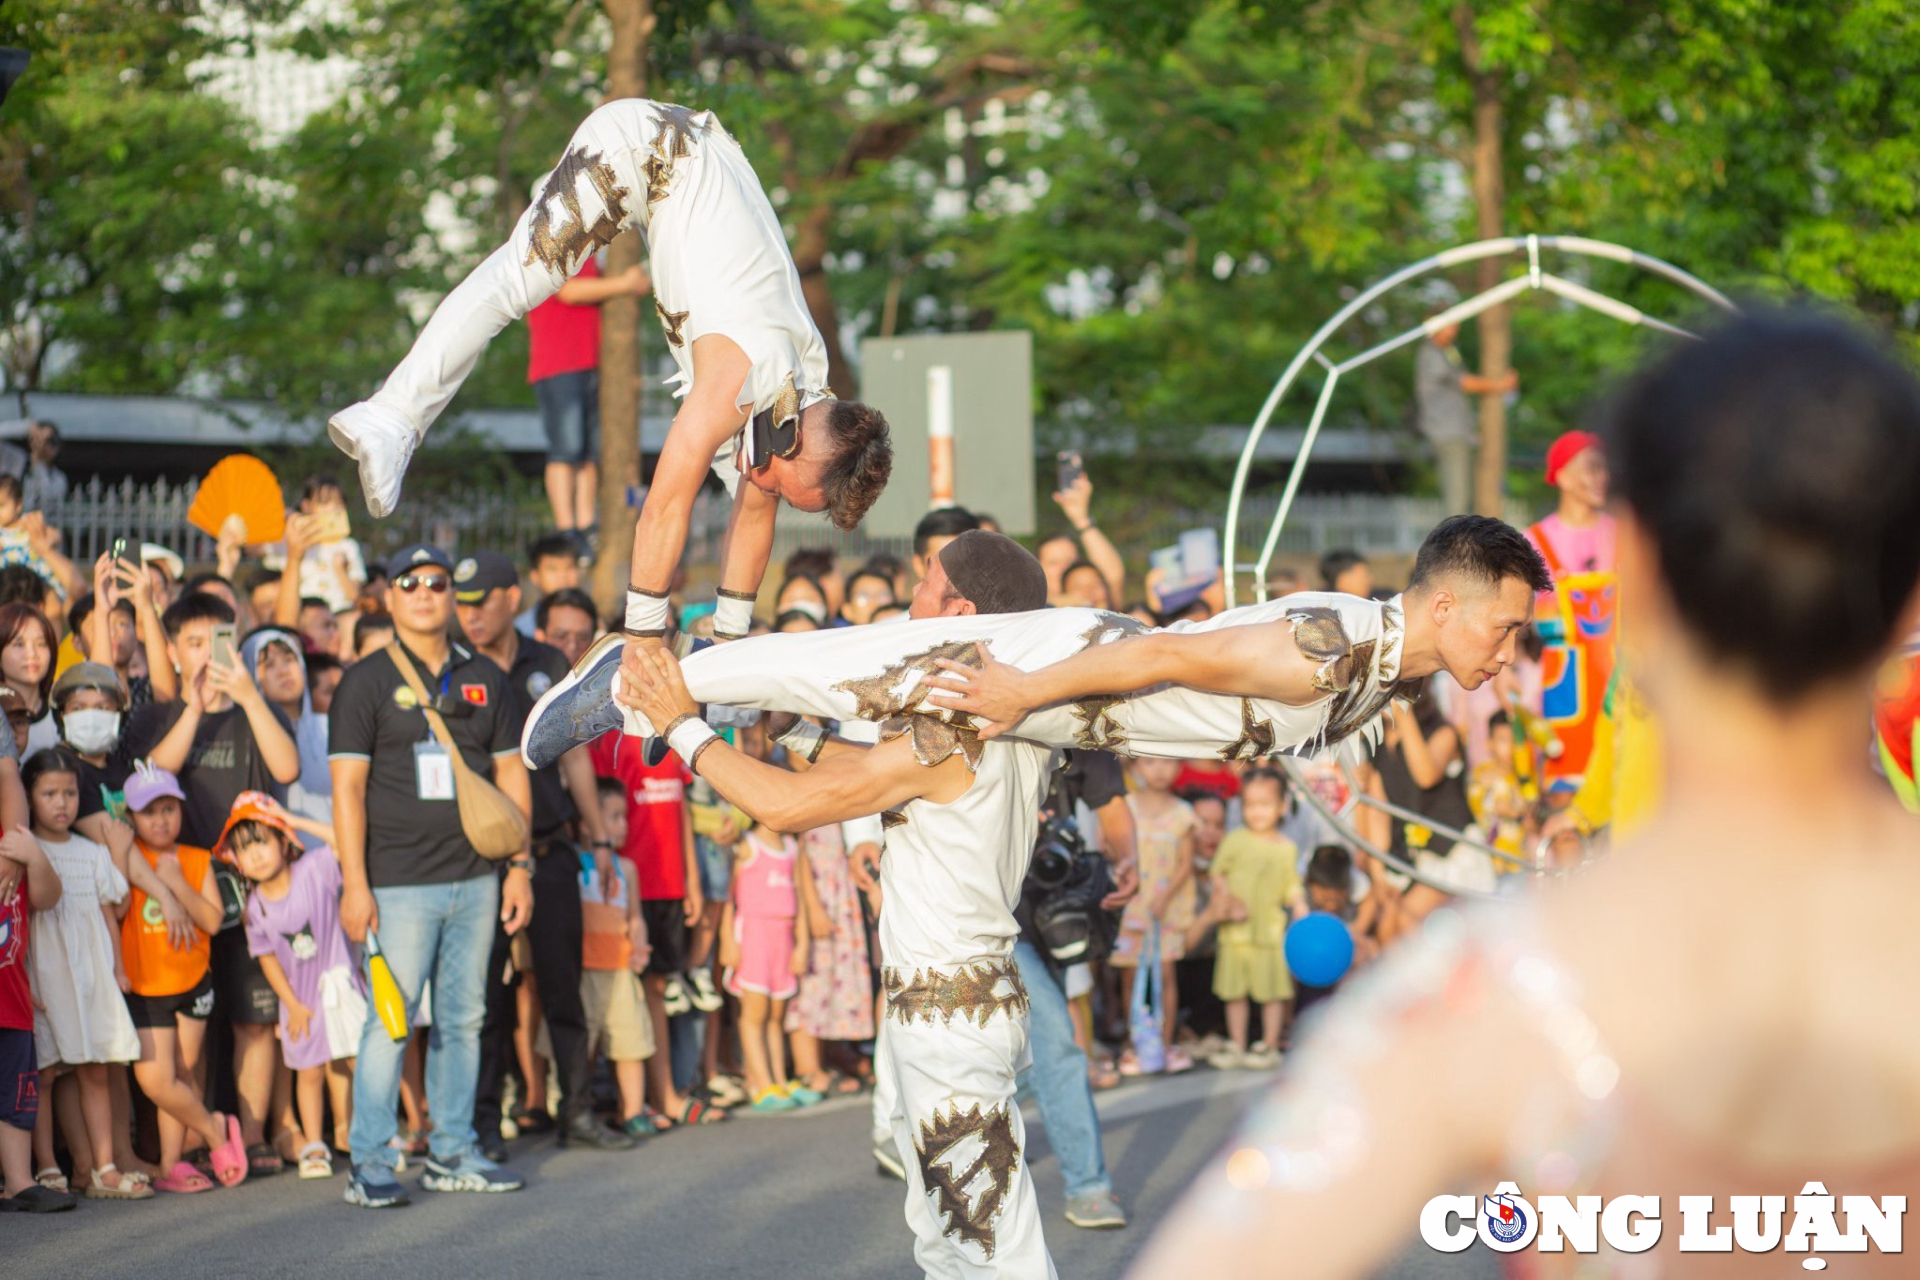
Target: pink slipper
(230, 1157)
(183, 1180)
(1178, 1060)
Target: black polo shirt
(375, 717)
(537, 668)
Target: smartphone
(119, 549)
(224, 653)
(1070, 470)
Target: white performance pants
(873, 673)
(632, 163)
(962, 1140)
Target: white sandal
(127, 1188)
(316, 1161)
(51, 1178)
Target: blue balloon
(1319, 949)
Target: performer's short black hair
(1776, 466)
(1478, 547)
(862, 460)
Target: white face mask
(92, 733)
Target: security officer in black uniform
(487, 600)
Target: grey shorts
(570, 412)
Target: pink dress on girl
(765, 904)
(836, 992)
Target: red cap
(256, 806)
(1566, 449)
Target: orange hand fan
(240, 485)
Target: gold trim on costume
(889, 699)
(1256, 736)
(672, 321)
(969, 1217)
(972, 992)
(673, 143)
(561, 250)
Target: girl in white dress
(78, 983)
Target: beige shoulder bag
(494, 825)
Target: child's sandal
(316, 1161)
(183, 1180)
(125, 1188)
(52, 1179)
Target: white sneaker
(382, 441)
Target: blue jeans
(1057, 1080)
(443, 932)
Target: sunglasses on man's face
(408, 583)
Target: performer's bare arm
(708, 418)
(843, 786)
(1259, 660)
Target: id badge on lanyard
(432, 766)
(432, 771)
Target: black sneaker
(471, 1172)
(705, 996)
(586, 1130)
(493, 1147)
(374, 1187)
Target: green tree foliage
(1172, 194)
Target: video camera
(1066, 882)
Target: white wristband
(688, 735)
(646, 615)
(732, 617)
(804, 739)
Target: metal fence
(97, 512)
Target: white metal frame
(1505, 291)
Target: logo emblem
(538, 683)
(474, 693)
(403, 698)
(1506, 1217)
(467, 569)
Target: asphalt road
(761, 1198)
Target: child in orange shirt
(169, 990)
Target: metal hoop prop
(1505, 291)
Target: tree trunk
(1496, 324)
(810, 260)
(633, 23)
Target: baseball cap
(148, 783)
(154, 553)
(256, 806)
(481, 572)
(1568, 447)
(418, 556)
(88, 675)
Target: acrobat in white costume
(878, 674)
(717, 256)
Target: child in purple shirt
(293, 926)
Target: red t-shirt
(565, 337)
(656, 815)
(16, 1001)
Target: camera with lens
(1065, 884)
